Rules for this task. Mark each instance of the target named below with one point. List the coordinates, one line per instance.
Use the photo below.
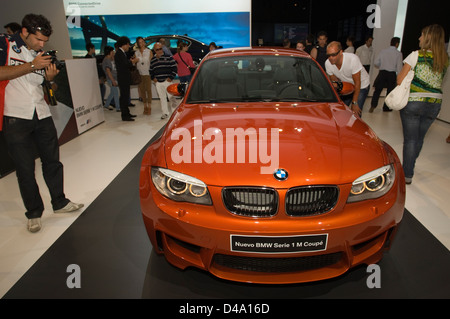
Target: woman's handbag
(398, 97)
(192, 70)
(135, 76)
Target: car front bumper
(235, 248)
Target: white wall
(53, 10)
(383, 35)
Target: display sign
(102, 7)
(293, 31)
(227, 23)
(278, 244)
(85, 91)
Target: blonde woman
(144, 55)
(425, 97)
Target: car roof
(257, 51)
(173, 36)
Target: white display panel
(85, 90)
(105, 7)
(227, 23)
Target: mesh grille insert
(277, 265)
(311, 200)
(251, 201)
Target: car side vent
(251, 201)
(311, 200)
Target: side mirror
(177, 89)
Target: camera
(48, 91)
(52, 53)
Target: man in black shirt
(319, 52)
(123, 66)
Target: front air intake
(311, 200)
(251, 201)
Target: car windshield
(171, 43)
(260, 78)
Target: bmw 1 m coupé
(263, 174)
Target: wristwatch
(354, 102)
(32, 65)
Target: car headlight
(372, 185)
(180, 187)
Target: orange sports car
(263, 175)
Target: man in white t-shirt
(346, 67)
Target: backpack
(3, 85)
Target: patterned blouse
(427, 84)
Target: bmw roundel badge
(280, 174)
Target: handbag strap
(183, 60)
(416, 55)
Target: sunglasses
(158, 49)
(333, 54)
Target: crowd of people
(349, 65)
(27, 123)
(157, 65)
(425, 99)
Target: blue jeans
(113, 94)
(26, 139)
(185, 79)
(417, 118)
(361, 98)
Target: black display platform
(109, 243)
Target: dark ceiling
(338, 18)
(320, 12)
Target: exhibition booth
(102, 23)
(84, 22)
(108, 240)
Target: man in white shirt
(365, 53)
(390, 63)
(27, 123)
(346, 67)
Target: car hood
(243, 144)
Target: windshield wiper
(277, 99)
(211, 101)
(260, 99)
(253, 99)
(299, 99)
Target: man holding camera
(27, 124)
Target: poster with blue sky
(228, 24)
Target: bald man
(346, 67)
